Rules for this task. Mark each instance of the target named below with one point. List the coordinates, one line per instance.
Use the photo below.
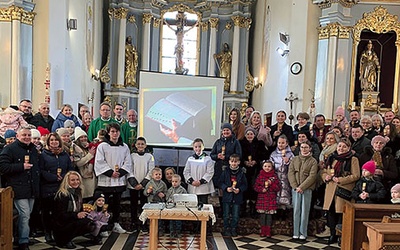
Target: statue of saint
(131, 63)
(224, 61)
(180, 32)
(369, 68)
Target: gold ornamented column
(213, 45)
(121, 14)
(146, 41)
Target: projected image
(175, 109)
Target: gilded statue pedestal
(369, 99)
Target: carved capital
(213, 22)
(16, 13)
(118, 13)
(147, 18)
(242, 22)
(323, 4)
(132, 19)
(157, 22)
(204, 26)
(334, 29)
(236, 20)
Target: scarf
(343, 162)
(75, 203)
(55, 151)
(327, 151)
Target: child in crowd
(142, 165)
(267, 186)
(175, 226)
(281, 157)
(198, 172)
(70, 126)
(35, 139)
(99, 216)
(10, 136)
(96, 142)
(302, 176)
(155, 189)
(168, 173)
(233, 183)
(395, 194)
(340, 120)
(367, 189)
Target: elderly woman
(341, 170)
(263, 132)
(65, 114)
(281, 128)
(237, 125)
(386, 169)
(366, 123)
(377, 123)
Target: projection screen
(175, 109)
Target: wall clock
(296, 68)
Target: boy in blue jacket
(233, 183)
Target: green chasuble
(96, 125)
(128, 134)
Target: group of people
(60, 165)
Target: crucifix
(291, 98)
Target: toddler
(99, 216)
(155, 189)
(175, 226)
(367, 189)
(395, 194)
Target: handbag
(343, 193)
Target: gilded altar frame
(378, 21)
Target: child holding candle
(367, 189)
(100, 217)
(267, 186)
(155, 189)
(232, 182)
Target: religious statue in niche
(131, 63)
(224, 62)
(369, 68)
(180, 31)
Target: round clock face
(296, 68)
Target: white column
(146, 41)
(213, 46)
(121, 47)
(235, 53)
(330, 77)
(15, 62)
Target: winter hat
(339, 111)
(35, 133)
(79, 132)
(227, 125)
(369, 166)
(98, 195)
(250, 129)
(43, 131)
(10, 134)
(62, 131)
(378, 138)
(396, 188)
(69, 124)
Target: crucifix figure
(180, 31)
(291, 98)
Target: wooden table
(354, 214)
(380, 233)
(178, 214)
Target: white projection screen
(175, 109)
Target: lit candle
(71, 150)
(26, 159)
(266, 183)
(332, 172)
(296, 143)
(105, 207)
(250, 158)
(280, 127)
(58, 171)
(364, 185)
(353, 105)
(116, 168)
(283, 152)
(223, 150)
(234, 184)
(311, 127)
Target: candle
(311, 127)
(26, 158)
(250, 158)
(234, 184)
(223, 150)
(266, 183)
(346, 126)
(280, 127)
(343, 104)
(364, 185)
(116, 168)
(151, 188)
(296, 143)
(353, 105)
(332, 172)
(362, 108)
(71, 150)
(283, 152)
(58, 171)
(105, 207)
(231, 122)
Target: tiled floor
(191, 242)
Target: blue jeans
(24, 207)
(228, 210)
(175, 226)
(301, 211)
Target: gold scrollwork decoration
(228, 26)
(156, 22)
(249, 86)
(147, 18)
(213, 22)
(105, 71)
(182, 8)
(132, 19)
(328, 3)
(17, 13)
(118, 13)
(204, 26)
(242, 22)
(334, 29)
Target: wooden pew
(382, 234)
(6, 218)
(354, 214)
(385, 219)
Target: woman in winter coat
(281, 128)
(238, 126)
(263, 132)
(341, 170)
(65, 114)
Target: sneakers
(104, 234)
(326, 233)
(118, 229)
(302, 237)
(295, 237)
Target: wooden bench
(354, 233)
(382, 234)
(6, 218)
(385, 219)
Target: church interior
(295, 55)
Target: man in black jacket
(19, 165)
(43, 117)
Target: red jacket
(267, 201)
